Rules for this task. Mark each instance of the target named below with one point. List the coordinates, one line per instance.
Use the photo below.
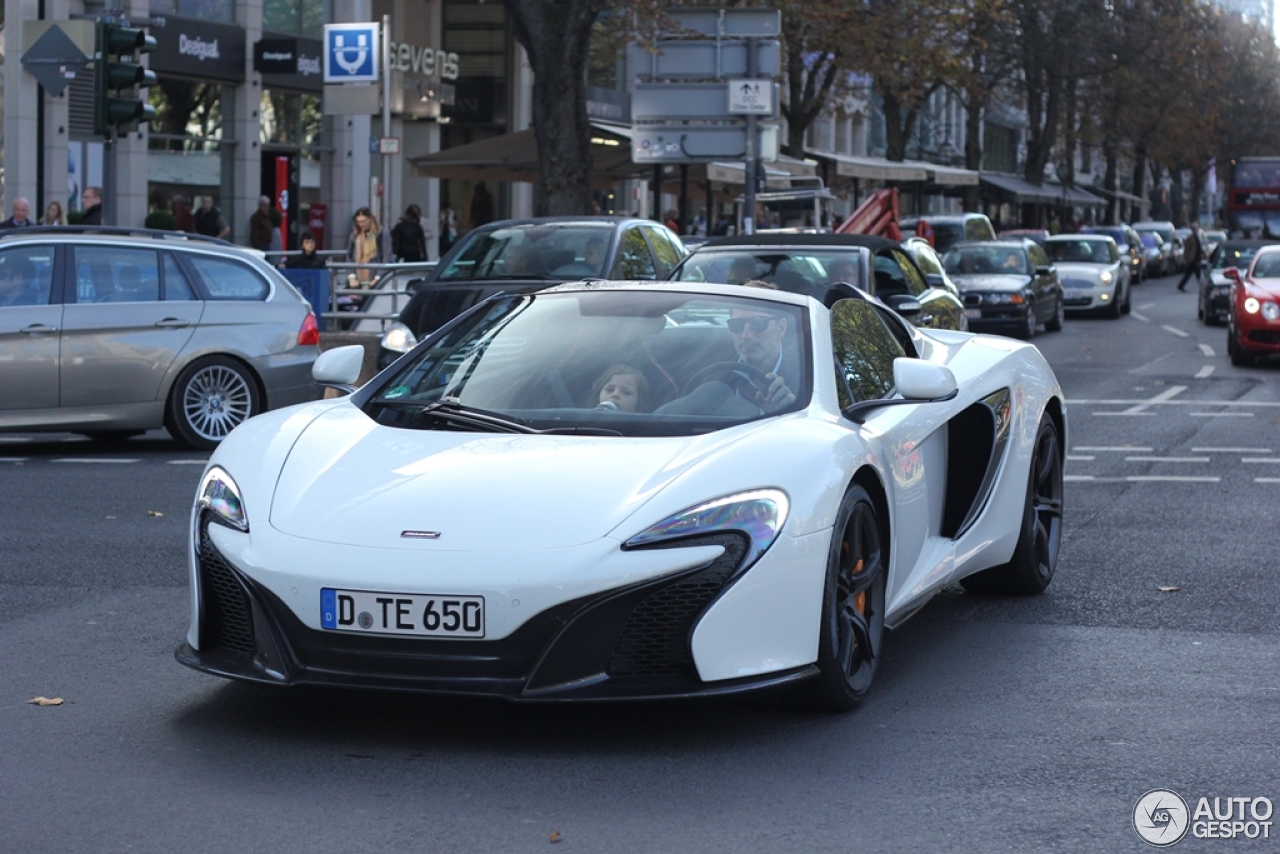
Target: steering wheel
(734, 372)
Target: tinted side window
(634, 260)
(914, 280)
(116, 274)
(226, 279)
(978, 228)
(26, 275)
(663, 250)
(176, 286)
(1039, 258)
(864, 350)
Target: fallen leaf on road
(154, 513)
(1168, 589)
(45, 701)
(555, 836)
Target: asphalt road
(995, 724)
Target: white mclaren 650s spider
(623, 490)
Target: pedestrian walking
(208, 220)
(481, 205)
(408, 239)
(448, 229)
(365, 246)
(21, 214)
(261, 225)
(53, 215)
(91, 204)
(1195, 251)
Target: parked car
(1094, 275)
(930, 263)
(111, 332)
(1156, 252)
(517, 256)
(949, 229)
(1253, 328)
(810, 264)
(495, 531)
(1214, 303)
(1172, 244)
(1039, 235)
(1008, 286)
(1129, 244)
(1212, 239)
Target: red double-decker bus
(1253, 204)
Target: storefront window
(295, 17)
(185, 156)
(290, 118)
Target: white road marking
(1231, 450)
(1126, 449)
(1176, 331)
(1204, 372)
(187, 462)
(1141, 317)
(1146, 305)
(1206, 349)
(1141, 408)
(1272, 460)
(13, 459)
(1172, 479)
(1077, 477)
(1130, 402)
(92, 461)
(1266, 480)
(1126, 412)
(1080, 458)
(1220, 414)
(15, 439)
(1166, 459)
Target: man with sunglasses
(758, 337)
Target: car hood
(1267, 287)
(1081, 271)
(350, 481)
(991, 282)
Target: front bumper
(632, 642)
(996, 318)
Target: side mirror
(1232, 273)
(339, 368)
(935, 280)
(904, 304)
(917, 380)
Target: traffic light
(119, 75)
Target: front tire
(1035, 557)
(1240, 357)
(1059, 317)
(852, 633)
(1028, 329)
(212, 396)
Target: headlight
(1106, 277)
(399, 339)
(1251, 305)
(220, 495)
(1270, 311)
(1004, 299)
(759, 514)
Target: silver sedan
(111, 332)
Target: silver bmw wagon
(110, 332)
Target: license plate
(973, 313)
(423, 614)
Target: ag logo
(1161, 817)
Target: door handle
(173, 323)
(37, 329)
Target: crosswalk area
(1202, 464)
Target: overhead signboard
(694, 144)
(729, 23)
(751, 97)
(195, 48)
(651, 102)
(693, 60)
(351, 53)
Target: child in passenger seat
(621, 388)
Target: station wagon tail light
(309, 333)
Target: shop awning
(1120, 196)
(950, 176)
(1076, 196)
(875, 168)
(514, 157)
(1022, 191)
(732, 173)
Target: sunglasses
(757, 324)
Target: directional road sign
(694, 144)
(752, 97)
(652, 102)
(694, 60)
(351, 53)
(54, 59)
(729, 23)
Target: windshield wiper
(450, 409)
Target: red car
(1254, 327)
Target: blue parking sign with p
(351, 53)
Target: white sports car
(625, 490)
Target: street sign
(351, 53)
(351, 100)
(386, 145)
(53, 59)
(693, 60)
(693, 144)
(730, 23)
(751, 97)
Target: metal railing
(378, 301)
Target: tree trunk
(973, 147)
(899, 121)
(1110, 182)
(555, 35)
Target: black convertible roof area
(875, 244)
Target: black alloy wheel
(1035, 557)
(852, 631)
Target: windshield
(970, 260)
(1116, 234)
(607, 362)
(1233, 256)
(570, 250)
(808, 271)
(1079, 251)
(1149, 240)
(947, 233)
